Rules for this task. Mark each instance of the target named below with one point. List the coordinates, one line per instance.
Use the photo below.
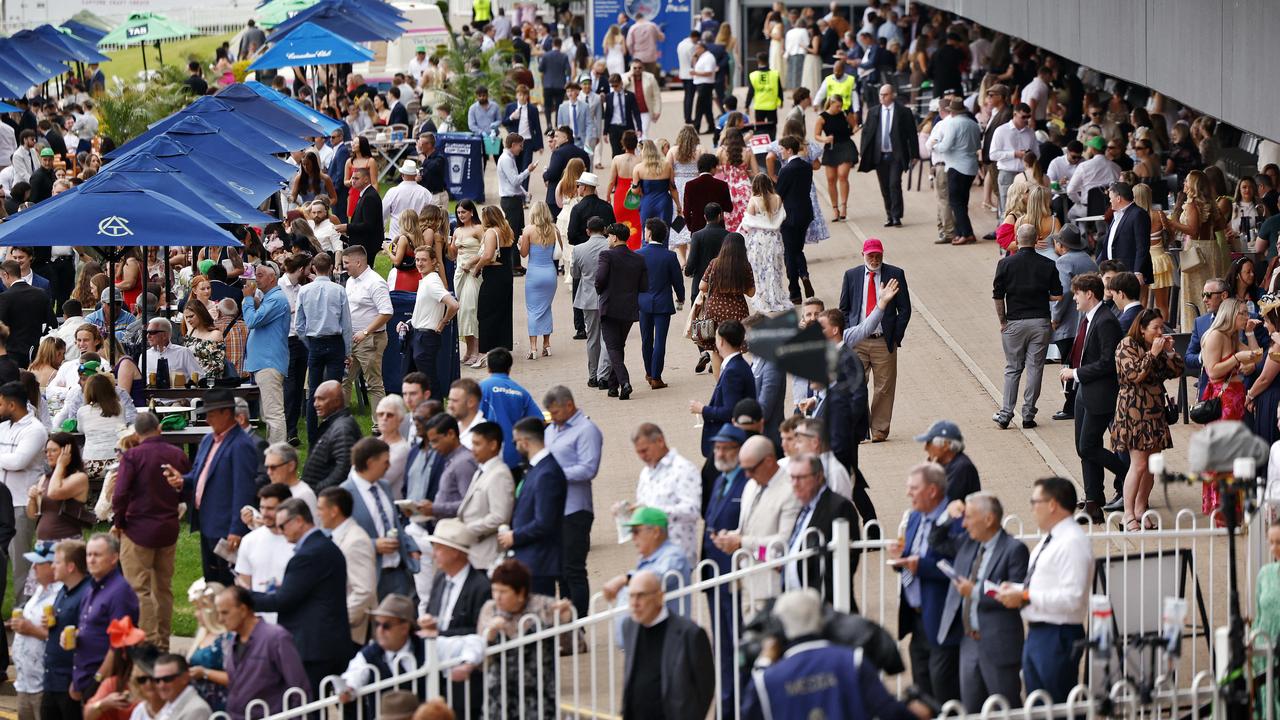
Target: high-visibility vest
(765, 84)
(843, 88)
(481, 10)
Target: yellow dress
(1161, 262)
(467, 286)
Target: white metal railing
(1137, 570)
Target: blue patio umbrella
(6, 107)
(35, 49)
(85, 32)
(13, 87)
(250, 103)
(80, 50)
(115, 213)
(257, 136)
(212, 202)
(345, 19)
(196, 133)
(239, 175)
(15, 67)
(312, 115)
(309, 44)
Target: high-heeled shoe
(546, 351)
(482, 362)
(532, 355)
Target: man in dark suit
(563, 151)
(795, 180)
(990, 633)
(667, 657)
(1128, 237)
(656, 307)
(365, 228)
(219, 484)
(522, 117)
(878, 352)
(311, 601)
(434, 168)
(735, 383)
(337, 164)
(373, 509)
(620, 278)
(699, 194)
(889, 145)
(457, 594)
(399, 114)
(535, 535)
(722, 513)
(26, 310)
(588, 206)
(1093, 368)
(621, 113)
(819, 509)
(935, 657)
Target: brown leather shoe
(879, 438)
(657, 384)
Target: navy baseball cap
(941, 429)
(730, 434)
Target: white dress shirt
(796, 41)
(1039, 91)
(179, 358)
(510, 180)
(1059, 576)
(453, 585)
(1006, 141)
(1111, 234)
(367, 298)
(1097, 171)
(1060, 171)
(408, 195)
(684, 55)
(22, 455)
(468, 648)
(464, 433)
(706, 64)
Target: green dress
(1266, 617)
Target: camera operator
(810, 677)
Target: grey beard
(725, 467)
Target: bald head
(329, 398)
(645, 597)
(758, 459)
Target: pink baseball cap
(872, 245)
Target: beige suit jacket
(487, 505)
(652, 93)
(362, 576)
(768, 514)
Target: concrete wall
(1209, 54)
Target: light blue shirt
(958, 144)
(919, 548)
(268, 323)
(575, 444)
(124, 319)
(669, 563)
(481, 119)
(988, 548)
(325, 302)
(505, 402)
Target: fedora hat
(217, 399)
(410, 167)
(1070, 238)
(450, 532)
(588, 178)
(396, 606)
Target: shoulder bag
(1209, 409)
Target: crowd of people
(468, 507)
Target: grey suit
(687, 687)
(1063, 312)
(771, 392)
(989, 662)
(586, 258)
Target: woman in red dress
(620, 183)
(1226, 360)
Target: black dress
(841, 149)
(495, 305)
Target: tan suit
(768, 514)
(652, 100)
(487, 505)
(362, 576)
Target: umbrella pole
(160, 52)
(143, 47)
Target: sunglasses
(385, 625)
(166, 679)
(144, 680)
(154, 332)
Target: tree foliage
(125, 110)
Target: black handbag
(1171, 409)
(1208, 410)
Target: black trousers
(615, 137)
(958, 187)
(614, 333)
(576, 538)
(1095, 459)
(551, 99)
(688, 101)
(295, 384)
(59, 706)
(889, 170)
(793, 255)
(934, 669)
(513, 208)
(767, 123)
(1064, 349)
(702, 107)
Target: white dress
(764, 252)
(615, 60)
(683, 173)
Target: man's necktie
(871, 294)
(382, 511)
(573, 118)
(443, 620)
(800, 525)
(1032, 569)
(885, 121)
(966, 608)
(1077, 347)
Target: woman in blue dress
(812, 153)
(538, 243)
(654, 175)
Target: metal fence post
(842, 576)
(433, 660)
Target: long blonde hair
(410, 228)
(1015, 203)
(569, 182)
(612, 37)
(432, 218)
(687, 144)
(1225, 319)
(1142, 196)
(1198, 192)
(650, 156)
(544, 226)
(724, 35)
(491, 217)
(1037, 208)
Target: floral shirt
(674, 486)
(28, 652)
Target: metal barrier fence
(575, 669)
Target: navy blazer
(1132, 244)
(337, 166)
(933, 585)
(664, 279)
(229, 486)
(722, 514)
(560, 158)
(399, 115)
(531, 144)
(40, 283)
(1127, 316)
(312, 600)
(896, 316)
(630, 110)
(1000, 628)
(536, 519)
(736, 382)
(361, 514)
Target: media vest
(813, 680)
(765, 84)
(843, 88)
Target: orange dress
(628, 217)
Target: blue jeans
(326, 360)
(1051, 659)
(653, 342)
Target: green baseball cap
(651, 516)
(1097, 142)
(46, 152)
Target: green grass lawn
(127, 62)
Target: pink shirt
(208, 463)
(643, 39)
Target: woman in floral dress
(760, 225)
(737, 167)
(204, 340)
(1226, 360)
(723, 293)
(520, 682)
(812, 154)
(684, 162)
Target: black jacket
(587, 208)
(560, 158)
(829, 508)
(795, 180)
(687, 687)
(1096, 376)
(466, 609)
(366, 227)
(620, 278)
(902, 137)
(27, 311)
(630, 110)
(704, 246)
(312, 600)
(330, 458)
